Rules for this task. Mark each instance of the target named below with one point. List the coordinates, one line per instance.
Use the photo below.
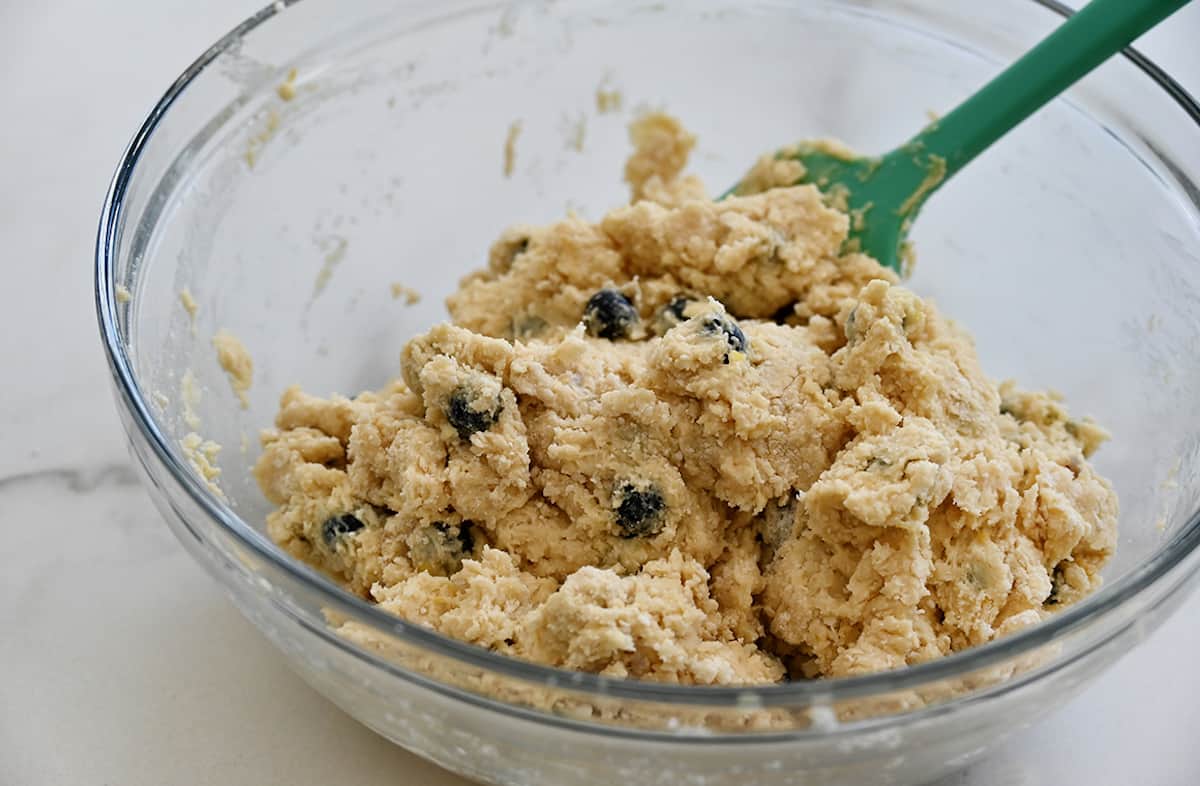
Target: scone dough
(695, 442)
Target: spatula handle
(1098, 31)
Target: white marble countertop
(123, 664)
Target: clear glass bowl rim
(1087, 611)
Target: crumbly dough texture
(695, 442)
(202, 453)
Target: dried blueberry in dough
(337, 526)
(638, 511)
(673, 313)
(460, 533)
(609, 314)
(439, 548)
(776, 523)
(728, 330)
(469, 413)
(1057, 581)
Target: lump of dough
(695, 442)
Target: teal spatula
(883, 194)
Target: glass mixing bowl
(1070, 250)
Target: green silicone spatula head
(883, 194)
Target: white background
(122, 664)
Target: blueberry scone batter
(696, 442)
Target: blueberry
(609, 314)
(727, 329)
(439, 548)
(463, 413)
(638, 511)
(337, 526)
(1056, 582)
(678, 307)
(464, 538)
(672, 314)
(776, 523)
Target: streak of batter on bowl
(696, 442)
